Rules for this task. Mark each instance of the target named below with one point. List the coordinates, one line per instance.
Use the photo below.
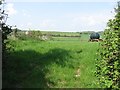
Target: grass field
(61, 63)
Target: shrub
(108, 65)
(5, 29)
(32, 35)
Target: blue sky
(60, 16)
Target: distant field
(61, 33)
(83, 37)
(61, 62)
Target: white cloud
(26, 14)
(25, 26)
(48, 24)
(29, 24)
(21, 25)
(10, 9)
(93, 21)
(79, 21)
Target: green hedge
(108, 65)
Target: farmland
(63, 62)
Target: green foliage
(15, 32)
(108, 65)
(5, 31)
(31, 35)
(35, 34)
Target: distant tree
(15, 32)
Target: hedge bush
(108, 65)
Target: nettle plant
(108, 64)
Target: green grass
(58, 63)
(66, 38)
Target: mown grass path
(35, 64)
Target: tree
(5, 29)
(108, 65)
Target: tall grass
(36, 64)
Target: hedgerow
(108, 65)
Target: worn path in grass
(36, 64)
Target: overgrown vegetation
(51, 64)
(5, 29)
(29, 35)
(108, 66)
